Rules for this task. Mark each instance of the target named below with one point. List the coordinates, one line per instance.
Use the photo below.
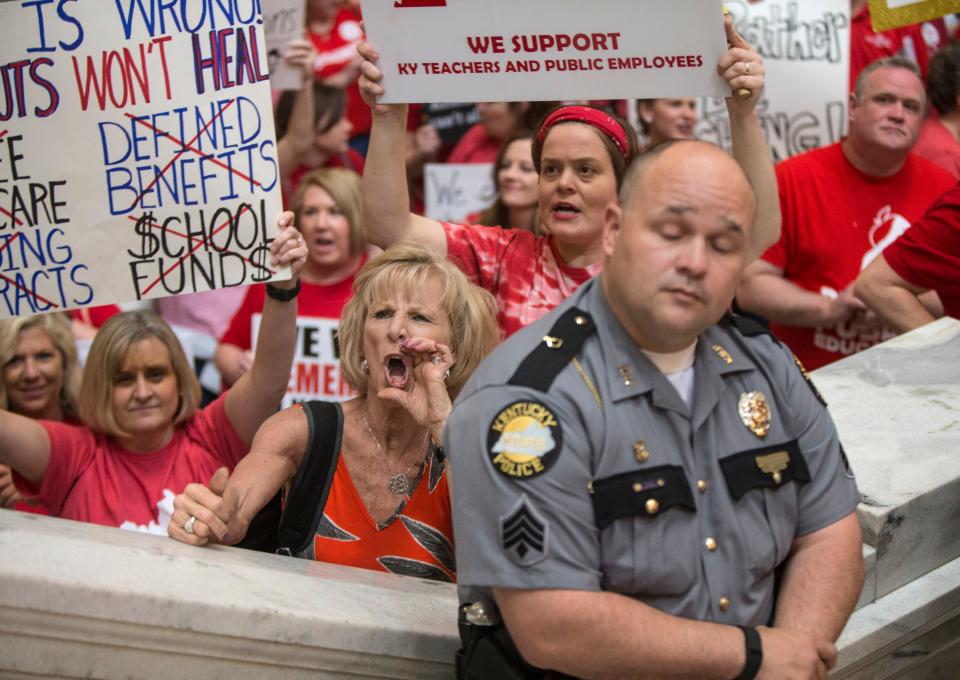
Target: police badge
(754, 412)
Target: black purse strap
(311, 485)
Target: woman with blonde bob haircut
(143, 439)
(39, 378)
(410, 337)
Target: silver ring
(746, 65)
(436, 360)
(446, 375)
(188, 525)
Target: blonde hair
(344, 188)
(58, 330)
(407, 266)
(107, 354)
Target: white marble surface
(897, 408)
(76, 588)
(902, 630)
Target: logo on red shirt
(404, 4)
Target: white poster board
(806, 52)
(454, 190)
(137, 152)
(543, 50)
(283, 21)
(315, 373)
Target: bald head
(675, 250)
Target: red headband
(604, 122)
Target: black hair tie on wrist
(283, 294)
(754, 654)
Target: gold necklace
(399, 484)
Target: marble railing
(79, 600)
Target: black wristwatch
(754, 654)
(283, 294)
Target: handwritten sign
(504, 50)
(806, 51)
(137, 151)
(887, 14)
(282, 22)
(316, 365)
(454, 190)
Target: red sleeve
(211, 428)
(478, 250)
(239, 332)
(95, 316)
(72, 449)
(928, 253)
(464, 149)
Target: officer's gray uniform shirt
(609, 481)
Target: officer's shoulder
(535, 355)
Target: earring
(364, 367)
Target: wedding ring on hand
(188, 525)
(746, 67)
(436, 360)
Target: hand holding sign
(371, 79)
(742, 68)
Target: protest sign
(544, 50)
(282, 22)
(137, 151)
(316, 366)
(454, 190)
(806, 52)
(887, 14)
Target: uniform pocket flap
(769, 467)
(645, 493)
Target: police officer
(645, 486)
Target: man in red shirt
(841, 205)
(926, 257)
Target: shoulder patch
(555, 350)
(524, 534)
(524, 440)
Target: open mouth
(565, 211)
(397, 370)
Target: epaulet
(813, 388)
(555, 350)
(747, 326)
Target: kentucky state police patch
(524, 440)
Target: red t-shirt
(938, 144)
(475, 147)
(94, 316)
(416, 542)
(836, 220)
(334, 53)
(524, 272)
(91, 478)
(928, 253)
(315, 373)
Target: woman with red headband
(581, 154)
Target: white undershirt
(678, 369)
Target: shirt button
(652, 506)
(724, 603)
(701, 485)
(711, 544)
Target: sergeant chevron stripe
(524, 534)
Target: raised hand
(288, 247)
(742, 67)
(428, 403)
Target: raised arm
(225, 508)
(743, 69)
(24, 446)
(257, 394)
(563, 629)
(386, 201)
(300, 128)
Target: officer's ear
(611, 228)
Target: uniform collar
(630, 374)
